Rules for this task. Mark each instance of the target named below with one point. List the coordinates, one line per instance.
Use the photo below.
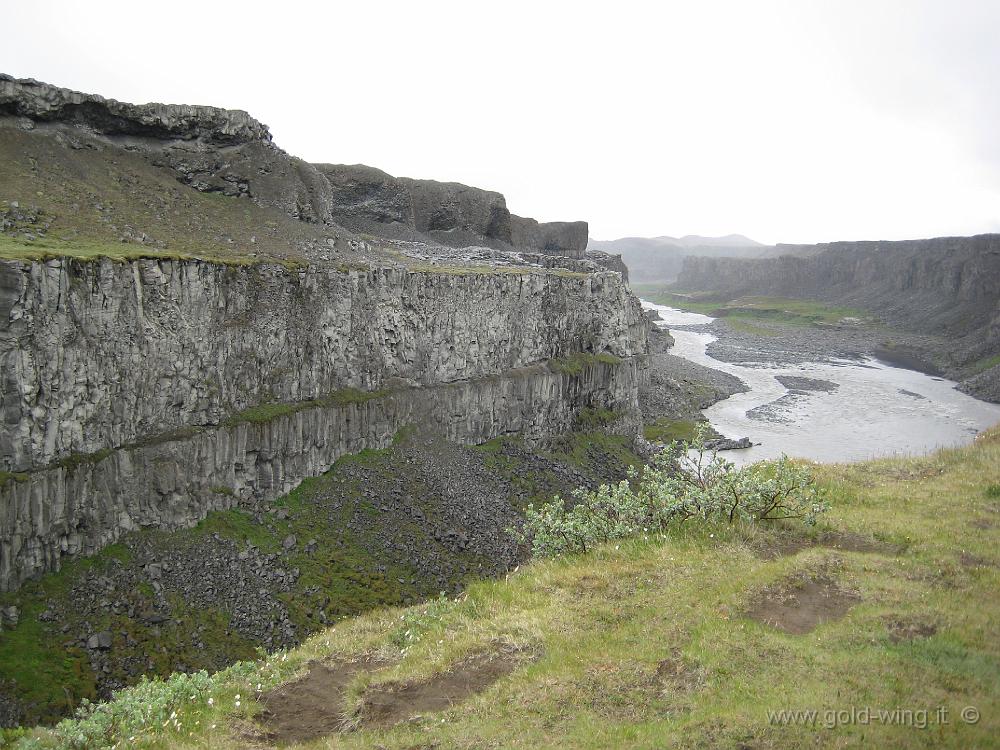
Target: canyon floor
(787, 331)
(715, 636)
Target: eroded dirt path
(312, 706)
(386, 705)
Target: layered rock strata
(99, 354)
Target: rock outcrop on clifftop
(229, 152)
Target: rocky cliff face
(147, 391)
(367, 199)
(948, 286)
(102, 354)
(174, 480)
(229, 152)
(125, 385)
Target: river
(876, 409)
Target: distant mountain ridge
(660, 258)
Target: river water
(876, 409)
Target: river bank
(678, 389)
(818, 391)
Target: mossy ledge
(88, 251)
(574, 364)
(263, 413)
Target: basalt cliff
(193, 320)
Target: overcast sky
(789, 121)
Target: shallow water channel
(874, 410)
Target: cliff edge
(227, 151)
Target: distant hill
(660, 258)
(729, 240)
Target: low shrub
(684, 482)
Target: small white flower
(211, 701)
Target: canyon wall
(141, 391)
(126, 385)
(99, 354)
(174, 480)
(948, 285)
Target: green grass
(787, 311)
(665, 430)
(743, 313)
(594, 418)
(264, 413)
(74, 460)
(587, 449)
(87, 203)
(575, 364)
(49, 677)
(701, 302)
(602, 625)
(84, 250)
(985, 364)
(743, 326)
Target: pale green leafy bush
(685, 481)
(135, 710)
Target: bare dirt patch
(312, 706)
(800, 605)
(908, 630)
(386, 705)
(846, 541)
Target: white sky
(794, 121)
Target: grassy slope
(601, 625)
(89, 199)
(84, 201)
